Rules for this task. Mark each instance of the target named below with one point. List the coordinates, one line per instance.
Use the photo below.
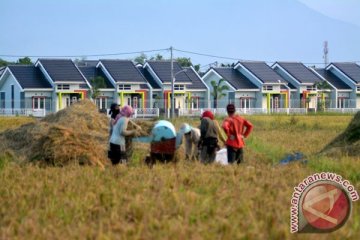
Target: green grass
(178, 201)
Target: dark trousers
(116, 155)
(235, 155)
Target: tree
(197, 67)
(4, 63)
(141, 58)
(25, 60)
(158, 57)
(322, 87)
(96, 83)
(218, 90)
(184, 62)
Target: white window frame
(63, 87)
(268, 88)
(179, 87)
(124, 86)
(37, 101)
(310, 88)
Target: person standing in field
(118, 151)
(114, 111)
(192, 138)
(236, 128)
(209, 134)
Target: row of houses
(53, 84)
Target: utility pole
(172, 83)
(326, 51)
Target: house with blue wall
(189, 89)
(250, 85)
(25, 87)
(349, 73)
(129, 85)
(68, 84)
(304, 80)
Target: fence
(343, 110)
(146, 112)
(23, 112)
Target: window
(311, 88)
(63, 87)
(245, 102)
(12, 97)
(179, 87)
(2, 99)
(358, 88)
(267, 88)
(124, 87)
(101, 102)
(38, 102)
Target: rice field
(186, 200)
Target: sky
(264, 30)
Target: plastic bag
(221, 156)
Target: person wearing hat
(236, 128)
(209, 134)
(119, 148)
(192, 138)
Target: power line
(85, 55)
(148, 51)
(245, 60)
(207, 55)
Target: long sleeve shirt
(236, 128)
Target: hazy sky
(240, 29)
(345, 10)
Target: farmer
(210, 133)
(118, 151)
(114, 111)
(192, 138)
(236, 128)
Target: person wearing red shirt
(236, 128)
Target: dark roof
(123, 71)
(300, 72)
(196, 81)
(2, 69)
(352, 70)
(332, 78)
(163, 70)
(149, 78)
(29, 76)
(263, 72)
(235, 78)
(93, 72)
(290, 85)
(62, 70)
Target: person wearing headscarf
(118, 146)
(192, 138)
(209, 134)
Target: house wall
(358, 101)
(334, 95)
(6, 87)
(251, 95)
